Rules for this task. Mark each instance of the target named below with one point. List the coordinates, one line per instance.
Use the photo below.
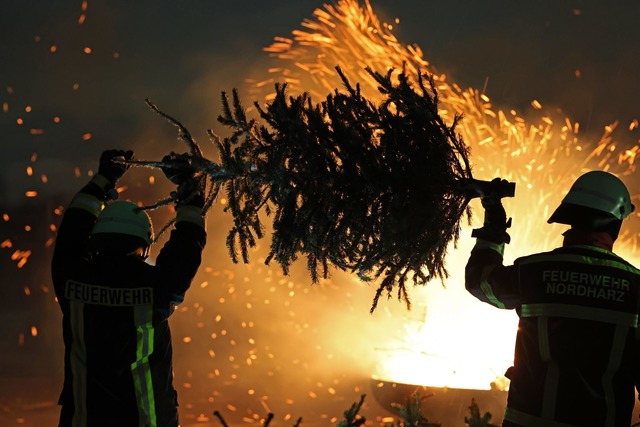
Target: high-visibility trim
(140, 369)
(579, 312)
(595, 249)
(527, 420)
(102, 182)
(543, 338)
(552, 377)
(78, 361)
(582, 259)
(87, 202)
(550, 397)
(191, 214)
(485, 244)
(485, 286)
(615, 357)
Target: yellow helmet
(124, 218)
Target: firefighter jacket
(118, 354)
(577, 357)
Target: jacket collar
(599, 239)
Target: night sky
(73, 79)
(181, 55)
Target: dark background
(182, 54)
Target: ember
(249, 340)
(542, 152)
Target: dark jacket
(118, 355)
(577, 356)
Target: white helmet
(124, 218)
(594, 194)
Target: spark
(540, 151)
(21, 257)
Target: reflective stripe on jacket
(118, 353)
(577, 356)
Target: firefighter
(577, 357)
(115, 306)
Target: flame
(457, 341)
(252, 341)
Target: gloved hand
(111, 170)
(495, 220)
(189, 193)
(495, 217)
(181, 173)
(179, 170)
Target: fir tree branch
(374, 189)
(351, 416)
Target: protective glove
(111, 170)
(495, 217)
(496, 223)
(181, 172)
(190, 202)
(179, 169)
(189, 193)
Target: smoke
(247, 339)
(250, 337)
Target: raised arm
(80, 216)
(486, 277)
(179, 259)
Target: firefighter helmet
(596, 193)
(124, 218)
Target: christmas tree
(375, 189)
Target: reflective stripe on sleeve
(140, 369)
(102, 182)
(191, 214)
(486, 288)
(485, 244)
(580, 312)
(88, 203)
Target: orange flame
(456, 341)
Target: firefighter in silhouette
(118, 354)
(577, 358)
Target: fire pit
(442, 405)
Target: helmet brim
(582, 217)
